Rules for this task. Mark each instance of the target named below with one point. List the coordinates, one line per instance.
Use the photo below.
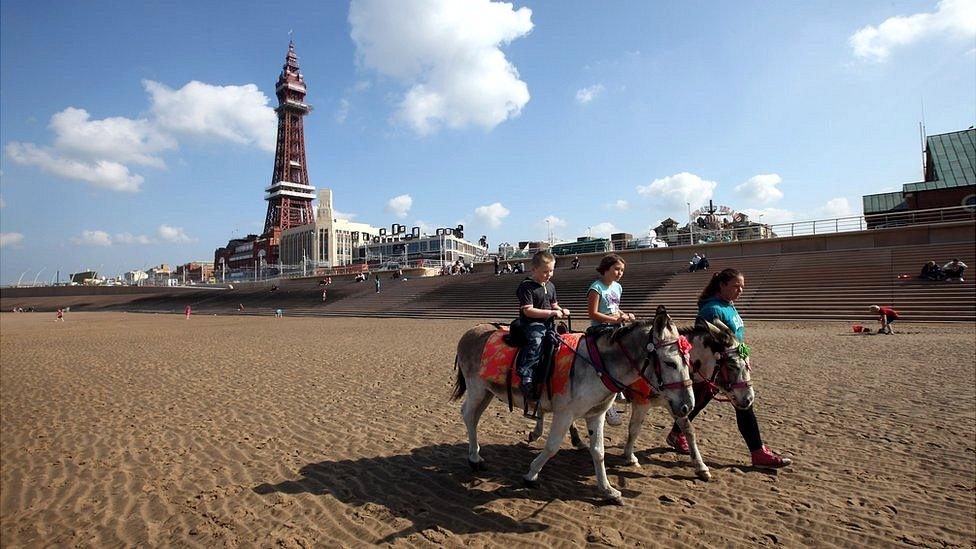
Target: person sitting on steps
(537, 307)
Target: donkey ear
(661, 309)
(701, 324)
(713, 329)
(721, 325)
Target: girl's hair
(874, 308)
(719, 278)
(609, 261)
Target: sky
(140, 133)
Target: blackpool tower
(290, 195)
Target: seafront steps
(816, 285)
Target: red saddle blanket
(498, 358)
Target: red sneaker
(678, 442)
(764, 457)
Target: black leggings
(746, 419)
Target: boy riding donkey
(537, 309)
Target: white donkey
(641, 354)
(718, 360)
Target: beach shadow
(434, 489)
(646, 457)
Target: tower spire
(290, 194)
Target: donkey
(719, 360)
(627, 353)
(716, 360)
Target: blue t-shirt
(609, 302)
(725, 311)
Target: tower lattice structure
(290, 195)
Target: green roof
(952, 159)
(884, 202)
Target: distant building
(87, 278)
(328, 242)
(194, 271)
(159, 276)
(949, 180)
(583, 245)
(135, 278)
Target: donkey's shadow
(433, 488)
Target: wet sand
(142, 430)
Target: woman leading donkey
(643, 354)
(717, 304)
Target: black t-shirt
(539, 296)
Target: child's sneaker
(678, 442)
(613, 417)
(764, 457)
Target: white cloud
(117, 139)
(100, 173)
(93, 238)
(492, 214)
(343, 111)
(621, 205)
(425, 228)
(761, 188)
(343, 215)
(836, 207)
(127, 238)
(10, 239)
(951, 18)
(173, 234)
(239, 114)
(448, 54)
(588, 94)
(770, 216)
(677, 189)
(399, 205)
(553, 221)
(603, 230)
(100, 151)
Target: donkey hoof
(703, 475)
(476, 465)
(530, 483)
(533, 436)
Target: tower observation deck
(290, 194)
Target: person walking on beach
(187, 311)
(717, 302)
(376, 280)
(325, 295)
(279, 313)
(60, 317)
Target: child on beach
(537, 307)
(60, 317)
(603, 305)
(187, 311)
(886, 315)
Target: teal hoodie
(725, 311)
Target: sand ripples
(152, 430)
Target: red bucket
(857, 328)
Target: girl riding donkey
(603, 306)
(643, 354)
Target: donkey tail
(459, 385)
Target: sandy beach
(127, 429)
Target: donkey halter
(722, 372)
(652, 348)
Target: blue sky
(137, 133)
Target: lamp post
(549, 230)
(691, 226)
